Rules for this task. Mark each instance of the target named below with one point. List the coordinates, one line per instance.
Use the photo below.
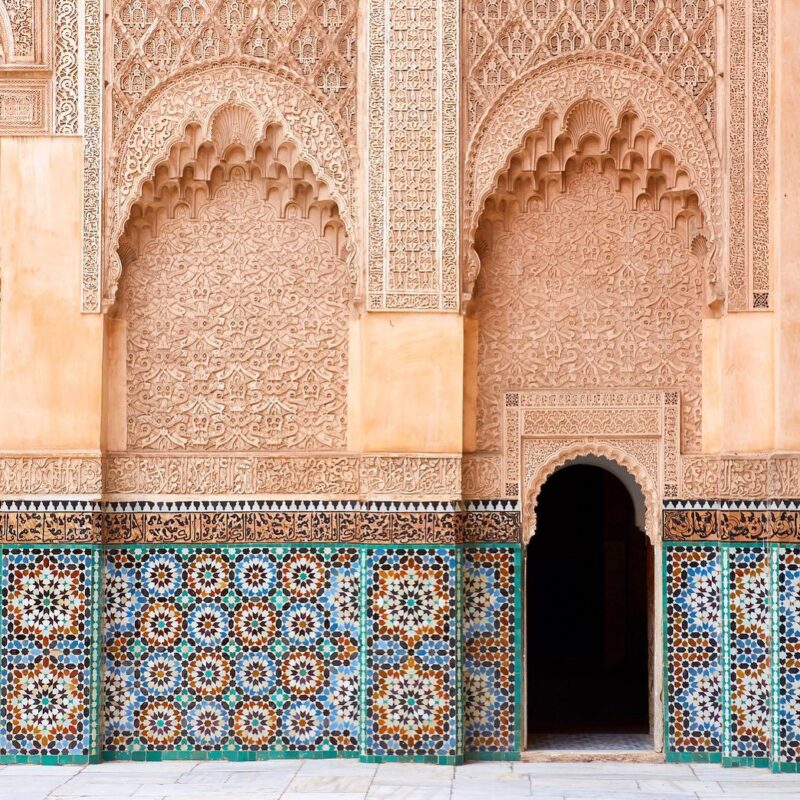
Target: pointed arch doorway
(590, 613)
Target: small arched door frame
(646, 502)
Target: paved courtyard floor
(350, 780)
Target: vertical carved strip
(92, 153)
(758, 48)
(748, 154)
(66, 67)
(737, 81)
(413, 147)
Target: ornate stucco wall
(364, 274)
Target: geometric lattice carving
(504, 40)
(589, 287)
(235, 294)
(154, 39)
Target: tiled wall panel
(787, 746)
(693, 632)
(492, 652)
(231, 649)
(48, 653)
(413, 653)
(749, 653)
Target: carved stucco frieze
(56, 475)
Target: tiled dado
(206, 522)
(732, 521)
(732, 648)
(252, 650)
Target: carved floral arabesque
(236, 331)
(194, 98)
(154, 39)
(619, 83)
(612, 299)
(504, 39)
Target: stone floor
(350, 780)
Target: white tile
(414, 774)
(78, 788)
(498, 789)
(330, 784)
(29, 770)
(386, 791)
(336, 766)
(323, 796)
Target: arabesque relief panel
(236, 314)
(586, 292)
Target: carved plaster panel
(613, 298)
(621, 86)
(413, 186)
(237, 332)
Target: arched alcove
(595, 268)
(589, 612)
(230, 327)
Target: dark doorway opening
(589, 569)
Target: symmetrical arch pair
(609, 108)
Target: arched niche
(229, 331)
(640, 484)
(177, 118)
(607, 106)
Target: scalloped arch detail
(192, 101)
(547, 95)
(567, 456)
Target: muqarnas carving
(235, 293)
(615, 298)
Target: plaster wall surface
(50, 354)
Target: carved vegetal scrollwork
(235, 294)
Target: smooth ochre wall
(50, 353)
